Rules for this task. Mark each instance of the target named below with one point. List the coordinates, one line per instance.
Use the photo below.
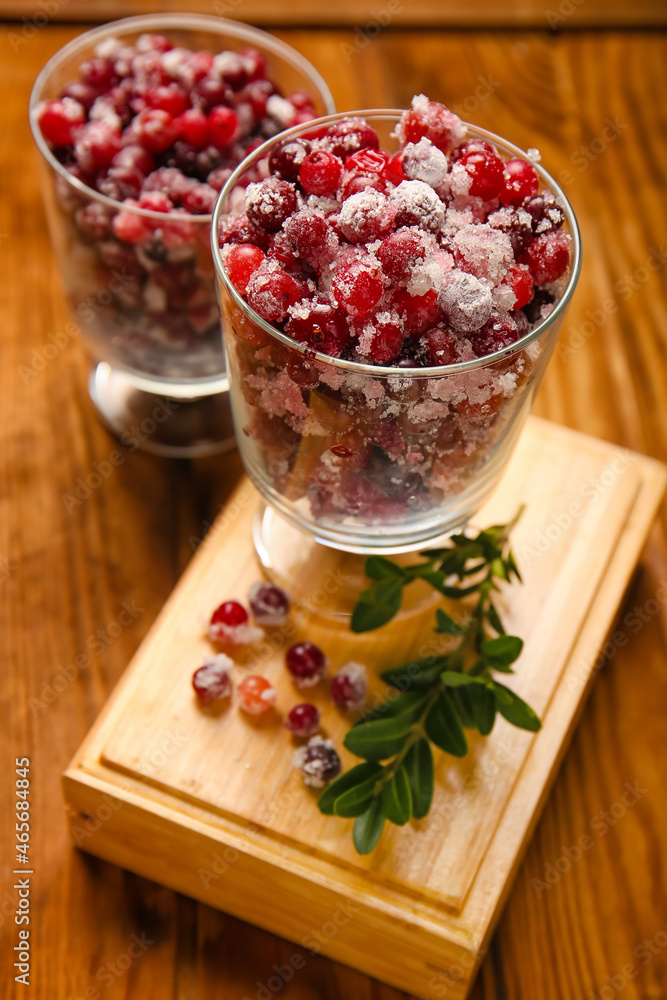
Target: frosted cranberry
(365, 217)
(200, 64)
(318, 762)
(193, 126)
(320, 173)
(496, 334)
(517, 224)
(156, 201)
(241, 262)
(303, 720)
(321, 326)
(465, 301)
(154, 43)
(367, 161)
(134, 158)
(487, 173)
(232, 69)
(254, 62)
(239, 230)
(230, 613)
(170, 98)
(306, 663)
(349, 686)
(269, 604)
(441, 346)
(308, 232)
(170, 181)
(285, 160)
(399, 253)
(349, 136)
(418, 312)
(434, 121)
(271, 293)
(256, 695)
(200, 199)
(395, 169)
(210, 92)
(545, 212)
(131, 228)
(355, 183)
(155, 130)
(520, 182)
(270, 203)
(96, 144)
(256, 94)
(519, 280)
(223, 126)
(547, 257)
(357, 286)
(83, 93)
(219, 177)
(121, 183)
(385, 344)
(213, 680)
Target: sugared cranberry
(307, 231)
(394, 169)
(229, 624)
(318, 762)
(134, 158)
(365, 217)
(269, 604)
(434, 121)
(222, 127)
(97, 72)
(270, 203)
(306, 663)
(520, 182)
(465, 301)
(547, 257)
(230, 613)
(349, 687)
(156, 201)
(474, 145)
(155, 130)
(321, 326)
(58, 121)
(350, 135)
(320, 173)
(168, 98)
(382, 341)
(286, 159)
(240, 230)
(499, 332)
(357, 286)
(241, 261)
(193, 126)
(213, 681)
(303, 720)
(516, 223)
(200, 199)
(131, 227)
(272, 292)
(545, 212)
(440, 346)
(399, 253)
(486, 171)
(367, 162)
(418, 312)
(519, 280)
(255, 695)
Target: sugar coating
(360, 213)
(466, 301)
(484, 252)
(422, 161)
(417, 202)
(214, 677)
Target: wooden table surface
(577, 920)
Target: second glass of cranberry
(140, 123)
(391, 291)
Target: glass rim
(126, 25)
(382, 370)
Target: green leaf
(368, 828)
(446, 624)
(494, 619)
(515, 710)
(443, 727)
(484, 709)
(379, 568)
(418, 766)
(498, 568)
(377, 605)
(415, 675)
(355, 776)
(356, 801)
(463, 705)
(453, 679)
(436, 578)
(512, 567)
(502, 651)
(397, 798)
(408, 705)
(378, 739)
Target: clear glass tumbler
(363, 458)
(148, 310)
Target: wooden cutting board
(210, 805)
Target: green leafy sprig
(440, 696)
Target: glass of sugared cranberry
(391, 293)
(141, 122)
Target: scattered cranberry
(547, 257)
(213, 681)
(269, 604)
(320, 173)
(229, 624)
(349, 687)
(520, 182)
(303, 720)
(306, 663)
(255, 695)
(318, 762)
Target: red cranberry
(545, 213)
(487, 173)
(200, 199)
(365, 217)
(399, 253)
(170, 98)
(134, 158)
(303, 720)
(131, 227)
(155, 130)
(367, 162)
(269, 604)
(213, 680)
(519, 280)
(395, 169)
(223, 127)
(256, 695)
(357, 286)
(286, 159)
(59, 120)
(200, 64)
(318, 762)
(230, 613)
(320, 173)
(306, 663)
(496, 334)
(156, 201)
(418, 312)
(321, 326)
(471, 146)
(386, 342)
(97, 72)
(193, 126)
(239, 230)
(94, 219)
(270, 203)
(354, 183)
(547, 257)
(349, 136)
(241, 262)
(435, 122)
(307, 231)
(83, 93)
(272, 292)
(96, 144)
(517, 224)
(349, 687)
(210, 92)
(254, 62)
(520, 182)
(441, 346)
